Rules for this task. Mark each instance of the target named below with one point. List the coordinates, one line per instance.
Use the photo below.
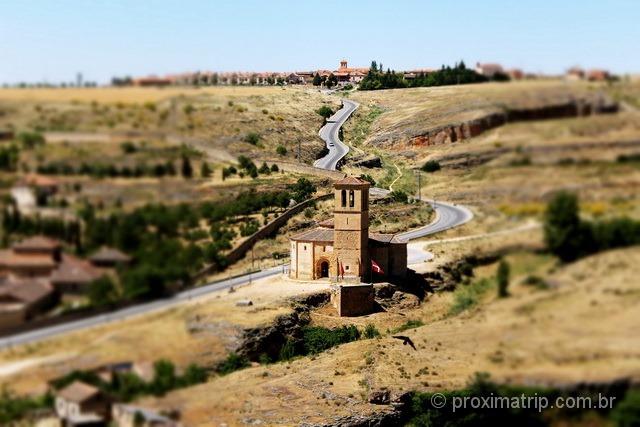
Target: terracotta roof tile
(315, 235)
(74, 270)
(27, 290)
(37, 243)
(352, 180)
(78, 391)
(106, 254)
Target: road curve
(329, 133)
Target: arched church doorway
(324, 269)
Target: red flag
(376, 268)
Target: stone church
(344, 249)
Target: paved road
(447, 216)
(329, 133)
(47, 332)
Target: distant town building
(346, 74)
(574, 73)
(598, 75)
(489, 70)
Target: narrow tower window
(343, 197)
(352, 199)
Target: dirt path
(397, 178)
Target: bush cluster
(569, 237)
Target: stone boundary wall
(243, 247)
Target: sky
(53, 40)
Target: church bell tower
(351, 228)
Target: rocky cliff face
(469, 129)
(268, 340)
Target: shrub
(369, 179)
(252, 138)
(31, 139)
(128, 147)
(102, 292)
(502, 277)
(288, 350)
(205, 170)
(409, 324)
(281, 150)
(275, 168)
(325, 111)
(264, 169)
(370, 331)
(431, 166)
(536, 281)
(317, 339)
(188, 109)
(399, 196)
(232, 363)
(627, 412)
(468, 295)
(187, 169)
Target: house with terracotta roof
(73, 275)
(489, 70)
(23, 298)
(345, 250)
(81, 404)
(109, 257)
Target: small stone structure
(353, 300)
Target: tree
(332, 80)
(325, 111)
(399, 196)
(264, 169)
(281, 150)
(302, 190)
(187, 169)
(563, 231)
(164, 378)
(31, 139)
(275, 168)
(317, 80)
(252, 138)
(431, 166)
(102, 292)
(205, 170)
(502, 276)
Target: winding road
(329, 133)
(447, 216)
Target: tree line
(376, 78)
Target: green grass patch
(409, 324)
(467, 296)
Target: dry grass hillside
(582, 328)
(216, 120)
